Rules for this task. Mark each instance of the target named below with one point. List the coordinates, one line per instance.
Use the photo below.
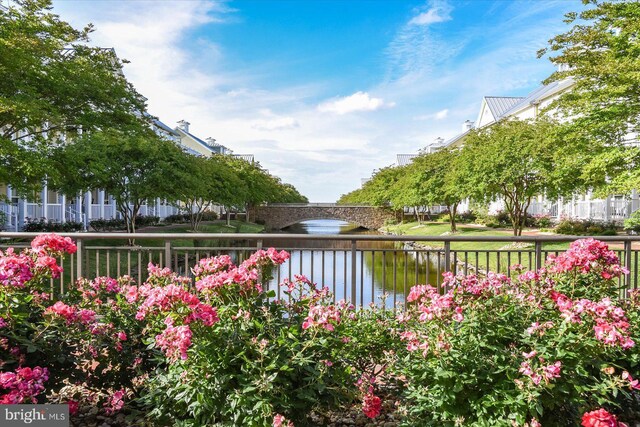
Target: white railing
(11, 214)
(109, 211)
(74, 216)
(620, 209)
(54, 212)
(34, 211)
(103, 212)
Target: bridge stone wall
(282, 215)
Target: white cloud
(442, 114)
(278, 123)
(439, 12)
(273, 122)
(359, 101)
(323, 155)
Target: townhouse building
(496, 108)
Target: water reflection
(380, 267)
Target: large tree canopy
(601, 53)
(515, 160)
(435, 180)
(132, 167)
(52, 85)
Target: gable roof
(499, 104)
(164, 127)
(540, 93)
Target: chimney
(439, 141)
(184, 125)
(211, 142)
(467, 125)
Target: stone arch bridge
(281, 215)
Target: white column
(45, 201)
(158, 213)
(78, 207)
(63, 207)
(560, 206)
(101, 202)
(112, 203)
(22, 212)
(634, 202)
(573, 206)
(87, 203)
(607, 208)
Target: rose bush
(542, 348)
(25, 347)
(261, 360)
(553, 347)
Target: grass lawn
(484, 255)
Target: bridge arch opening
(326, 225)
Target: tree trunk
(415, 210)
(452, 217)
(228, 215)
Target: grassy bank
(491, 255)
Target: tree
(205, 181)
(514, 160)
(52, 86)
(434, 179)
(133, 168)
(601, 53)
(260, 186)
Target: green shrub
(541, 221)
(115, 224)
(633, 222)
(42, 225)
(183, 218)
(585, 227)
(541, 348)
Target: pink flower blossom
(322, 316)
(23, 385)
(175, 341)
(15, 269)
(53, 244)
(634, 384)
(600, 418)
(371, 404)
(115, 402)
(73, 407)
(48, 264)
(280, 421)
(585, 256)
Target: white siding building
(495, 108)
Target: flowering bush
(543, 348)
(552, 347)
(24, 293)
(257, 360)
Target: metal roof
(539, 94)
(499, 104)
(165, 128)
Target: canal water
(384, 271)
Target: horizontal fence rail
(363, 269)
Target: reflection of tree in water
(376, 262)
(399, 270)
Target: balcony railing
(360, 268)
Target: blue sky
(324, 91)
